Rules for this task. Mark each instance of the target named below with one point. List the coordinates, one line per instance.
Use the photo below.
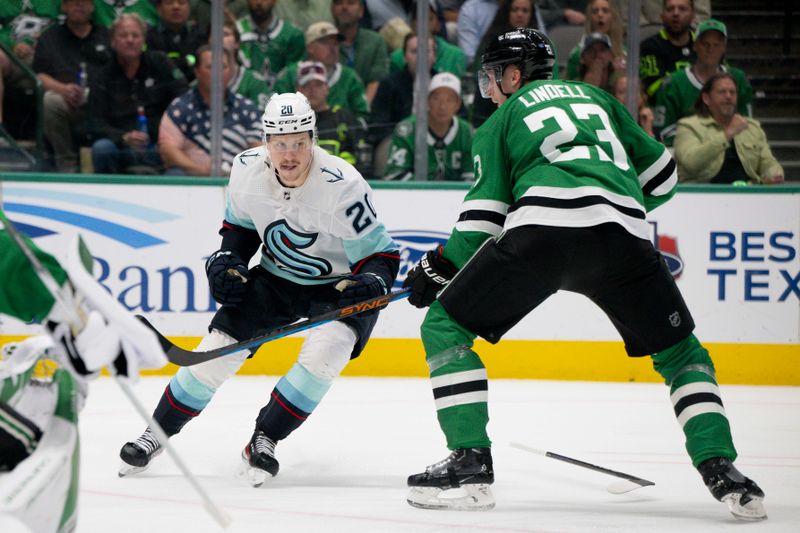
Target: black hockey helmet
(528, 49)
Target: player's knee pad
(327, 350)
(213, 373)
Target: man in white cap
(449, 137)
(346, 88)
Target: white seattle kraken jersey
(313, 233)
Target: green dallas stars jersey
(270, 51)
(678, 94)
(448, 157)
(565, 154)
(344, 86)
(252, 86)
(23, 21)
(106, 11)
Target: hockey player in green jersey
(43, 382)
(564, 179)
(449, 137)
(677, 97)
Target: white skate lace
(147, 442)
(264, 444)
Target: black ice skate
(136, 455)
(742, 496)
(259, 459)
(461, 482)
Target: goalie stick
(619, 487)
(179, 356)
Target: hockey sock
(293, 399)
(689, 372)
(183, 399)
(458, 378)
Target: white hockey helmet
(288, 113)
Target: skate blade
(752, 511)
(469, 497)
(254, 476)
(126, 470)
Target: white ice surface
(345, 468)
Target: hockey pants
(460, 385)
(324, 354)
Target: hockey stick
(628, 484)
(181, 357)
(71, 307)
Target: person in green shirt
(346, 88)
(679, 92)
(449, 57)
(269, 43)
(21, 24)
(107, 11)
(449, 137)
(361, 49)
(244, 81)
(564, 179)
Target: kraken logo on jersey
(284, 245)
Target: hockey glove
(227, 275)
(92, 348)
(428, 277)
(360, 287)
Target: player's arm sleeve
(652, 162)
(367, 243)
(238, 230)
(19, 437)
(483, 212)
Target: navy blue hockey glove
(428, 277)
(227, 275)
(360, 287)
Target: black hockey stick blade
(630, 483)
(181, 357)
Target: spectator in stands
(396, 92)
(268, 42)
(449, 58)
(645, 113)
(67, 56)
(244, 81)
(346, 89)
(562, 12)
(449, 137)
(671, 49)
(718, 145)
(652, 10)
(107, 11)
(304, 13)
(184, 135)
(679, 93)
(474, 20)
(596, 61)
(360, 48)
(201, 12)
(601, 17)
(176, 35)
(21, 24)
(133, 79)
(339, 131)
(511, 14)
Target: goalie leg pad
(468, 497)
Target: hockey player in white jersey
(321, 246)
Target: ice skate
(744, 498)
(259, 459)
(137, 455)
(460, 482)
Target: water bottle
(82, 80)
(141, 123)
